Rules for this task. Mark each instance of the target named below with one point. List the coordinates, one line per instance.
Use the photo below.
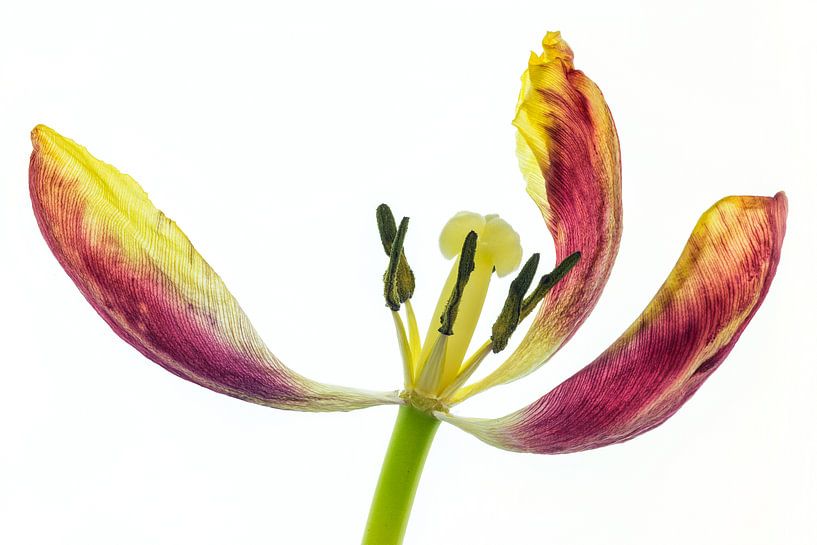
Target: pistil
(498, 250)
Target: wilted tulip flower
(144, 277)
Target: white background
(270, 132)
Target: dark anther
(547, 282)
(517, 306)
(399, 278)
(464, 270)
(510, 316)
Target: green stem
(391, 506)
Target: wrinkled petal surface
(684, 334)
(569, 155)
(143, 276)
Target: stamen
(432, 372)
(547, 282)
(510, 316)
(405, 350)
(399, 278)
(386, 226)
(414, 331)
(466, 267)
(467, 369)
(514, 311)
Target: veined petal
(143, 276)
(569, 155)
(680, 339)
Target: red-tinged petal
(680, 339)
(143, 276)
(568, 152)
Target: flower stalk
(402, 466)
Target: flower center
(480, 246)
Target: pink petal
(569, 155)
(680, 339)
(143, 276)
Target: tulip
(142, 275)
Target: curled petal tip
(554, 47)
(38, 134)
(38, 130)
